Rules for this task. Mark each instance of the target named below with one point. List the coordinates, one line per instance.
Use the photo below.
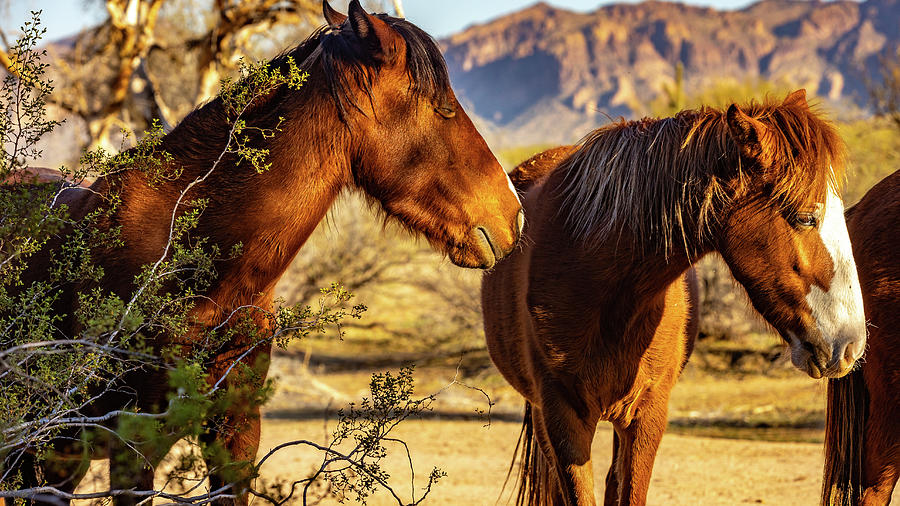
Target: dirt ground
(688, 470)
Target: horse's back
(534, 169)
(34, 176)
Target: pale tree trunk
(210, 81)
(236, 22)
(133, 23)
(398, 9)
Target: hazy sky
(437, 17)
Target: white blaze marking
(839, 311)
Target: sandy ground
(689, 470)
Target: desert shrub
(50, 379)
(873, 146)
(674, 96)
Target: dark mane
(345, 66)
(336, 61)
(648, 176)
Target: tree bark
(133, 24)
(130, 98)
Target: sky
(437, 17)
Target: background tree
(122, 44)
(158, 59)
(398, 9)
(885, 95)
(440, 310)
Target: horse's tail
(534, 479)
(847, 409)
(538, 166)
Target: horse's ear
(797, 98)
(381, 41)
(332, 17)
(751, 135)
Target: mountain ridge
(546, 74)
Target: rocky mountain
(545, 74)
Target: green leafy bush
(49, 381)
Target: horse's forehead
(816, 197)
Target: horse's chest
(620, 407)
(619, 375)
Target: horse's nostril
(849, 353)
(852, 353)
(818, 357)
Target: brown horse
(592, 318)
(377, 113)
(862, 434)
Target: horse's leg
(570, 439)
(611, 494)
(640, 441)
(882, 453)
(62, 473)
(237, 430)
(132, 470)
(240, 440)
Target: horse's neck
(633, 281)
(272, 214)
(618, 281)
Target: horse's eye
(806, 220)
(447, 112)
